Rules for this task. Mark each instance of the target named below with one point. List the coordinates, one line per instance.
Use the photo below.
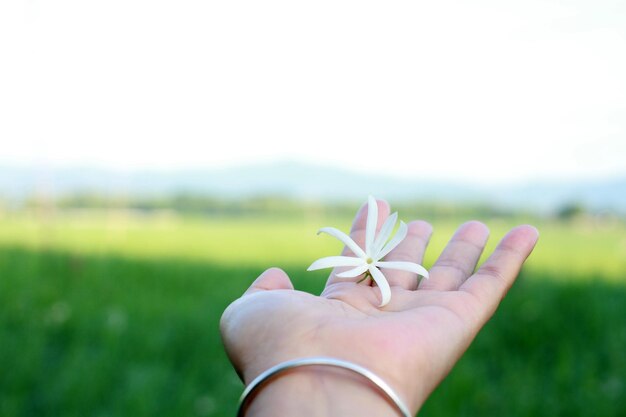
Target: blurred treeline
(290, 207)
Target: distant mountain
(304, 181)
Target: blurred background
(156, 156)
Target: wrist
(320, 386)
(319, 391)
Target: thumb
(271, 279)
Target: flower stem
(365, 276)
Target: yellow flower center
(369, 261)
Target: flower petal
(395, 241)
(404, 266)
(347, 240)
(384, 233)
(382, 283)
(355, 272)
(334, 261)
(370, 228)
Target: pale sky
(486, 91)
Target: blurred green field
(116, 314)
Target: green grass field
(117, 315)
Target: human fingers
(271, 279)
(494, 277)
(458, 259)
(358, 234)
(411, 249)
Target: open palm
(412, 342)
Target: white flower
(376, 248)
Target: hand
(412, 343)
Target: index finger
(358, 233)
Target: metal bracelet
(274, 371)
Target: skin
(412, 343)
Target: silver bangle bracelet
(274, 371)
